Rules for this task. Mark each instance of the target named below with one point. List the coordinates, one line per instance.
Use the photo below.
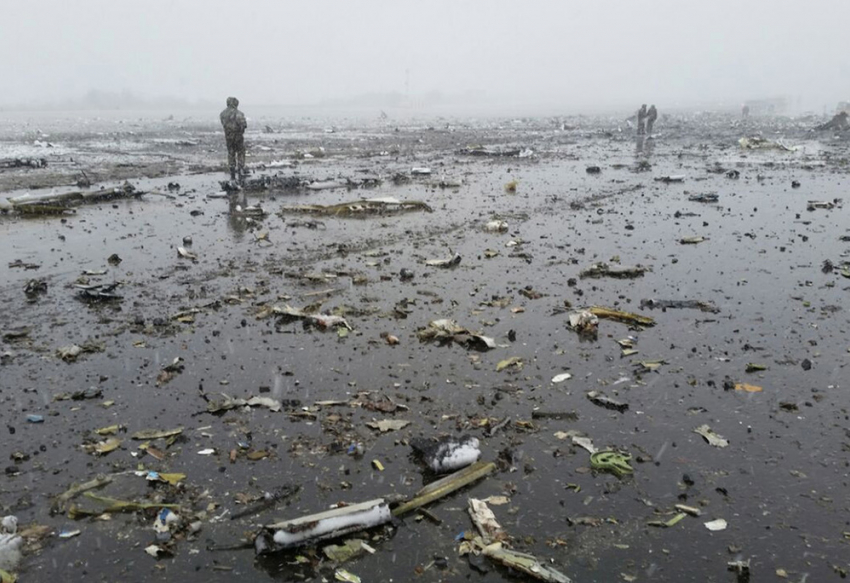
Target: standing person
(234, 124)
(745, 111)
(651, 116)
(641, 120)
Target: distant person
(234, 124)
(651, 116)
(745, 111)
(641, 120)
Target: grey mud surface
(781, 484)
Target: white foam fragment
(453, 455)
(10, 551)
(332, 523)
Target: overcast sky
(584, 54)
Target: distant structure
(772, 106)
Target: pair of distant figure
(646, 119)
(234, 124)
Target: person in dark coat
(641, 120)
(651, 116)
(234, 125)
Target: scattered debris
(512, 362)
(584, 322)
(449, 331)
(35, 287)
(757, 143)
(711, 437)
(748, 388)
(605, 270)
(23, 163)
(227, 403)
(496, 226)
(71, 352)
(321, 321)
(598, 398)
(360, 207)
(385, 425)
(820, 204)
(184, 253)
(350, 549)
(680, 304)
(98, 292)
(524, 563)
(708, 197)
(450, 262)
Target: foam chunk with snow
(448, 454)
(330, 524)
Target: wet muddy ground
(781, 483)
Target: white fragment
(331, 523)
(453, 455)
(496, 226)
(586, 443)
(153, 550)
(711, 437)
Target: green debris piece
(753, 367)
(77, 489)
(7, 577)
(620, 316)
(612, 461)
(343, 575)
(107, 445)
(116, 505)
(670, 523)
(445, 486)
(350, 549)
(514, 361)
(111, 430)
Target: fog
(552, 55)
